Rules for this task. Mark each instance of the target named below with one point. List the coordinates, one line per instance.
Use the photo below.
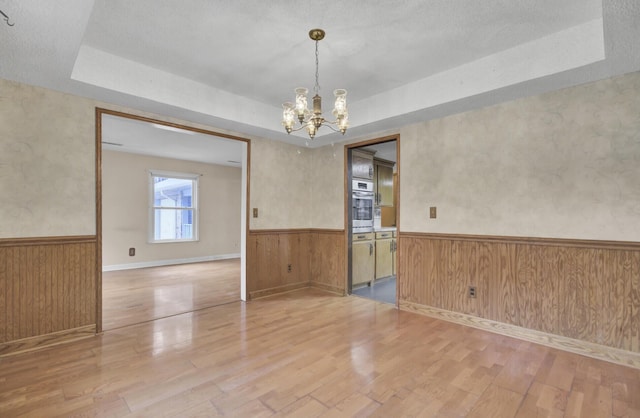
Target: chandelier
(313, 120)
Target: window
(174, 206)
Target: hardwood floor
(308, 353)
(134, 296)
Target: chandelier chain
(316, 88)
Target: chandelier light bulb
(301, 103)
(311, 128)
(288, 116)
(343, 122)
(340, 107)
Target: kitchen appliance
(362, 205)
(362, 164)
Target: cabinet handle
(370, 249)
(370, 171)
(360, 236)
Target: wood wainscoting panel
(47, 285)
(328, 260)
(316, 256)
(635, 303)
(583, 290)
(413, 270)
(532, 286)
(269, 255)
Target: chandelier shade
(312, 119)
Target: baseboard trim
(585, 348)
(257, 294)
(329, 288)
(47, 340)
(158, 263)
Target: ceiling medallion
(313, 120)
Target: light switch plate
(255, 212)
(432, 212)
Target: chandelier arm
(299, 128)
(328, 125)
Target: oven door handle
(363, 194)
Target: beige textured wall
(281, 185)
(565, 164)
(125, 189)
(47, 163)
(327, 196)
(47, 167)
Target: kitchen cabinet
(383, 182)
(362, 164)
(362, 259)
(385, 253)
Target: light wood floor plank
(310, 353)
(138, 295)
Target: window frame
(194, 205)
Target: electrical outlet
(132, 252)
(288, 268)
(432, 212)
(472, 291)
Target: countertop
(382, 229)
(385, 229)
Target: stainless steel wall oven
(362, 205)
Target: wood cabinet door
(362, 262)
(384, 258)
(384, 177)
(394, 256)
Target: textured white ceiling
(261, 50)
(230, 64)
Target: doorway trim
(347, 203)
(244, 220)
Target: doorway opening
(171, 218)
(373, 169)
